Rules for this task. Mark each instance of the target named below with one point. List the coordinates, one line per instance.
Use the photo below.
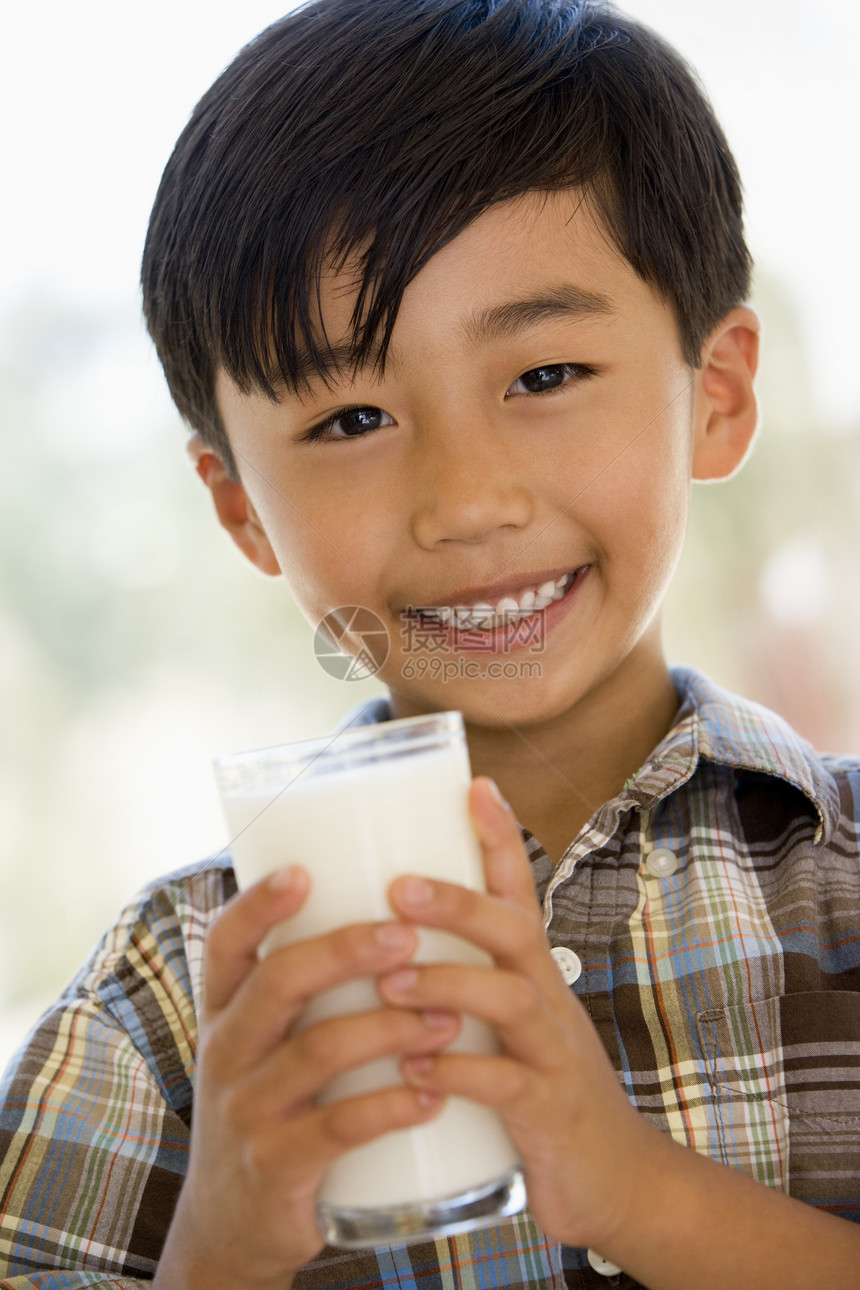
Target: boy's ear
(726, 405)
(233, 506)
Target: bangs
(404, 170)
(368, 133)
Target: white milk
(356, 830)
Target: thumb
(506, 864)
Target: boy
(451, 292)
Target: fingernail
(415, 891)
(436, 1019)
(497, 794)
(394, 936)
(400, 982)
(417, 1067)
(285, 878)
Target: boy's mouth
(493, 613)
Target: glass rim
(410, 734)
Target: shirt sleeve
(95, 1109)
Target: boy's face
(535, 418)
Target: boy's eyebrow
(563, 301)
(493, 323)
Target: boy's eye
(549, 376)
(351, 423)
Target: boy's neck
(557, 773)
(570, 767)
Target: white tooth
(508, 607)
(483, 613)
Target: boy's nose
(465, 485)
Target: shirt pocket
(784, 1077)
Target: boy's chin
(497, 704)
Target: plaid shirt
(723, 978)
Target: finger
(506, 863)
(501, 1083)
(273, 994)
(314, 1140)
(235, 936)
(360, 1119)
(521, 1097)
(512, 935)
(527, 1099)
(295, 1072)
(531, 1028)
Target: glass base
(353, 1229)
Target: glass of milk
(358, 809)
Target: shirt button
(569, 964)
(602, 1265)
(662, 862)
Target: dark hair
(380, 129)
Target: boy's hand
(580, 1139)
(597, 1173)
(259, 1145)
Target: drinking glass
(358, 809)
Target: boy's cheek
(320, 547)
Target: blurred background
(135, 642)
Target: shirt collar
(713, 725)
